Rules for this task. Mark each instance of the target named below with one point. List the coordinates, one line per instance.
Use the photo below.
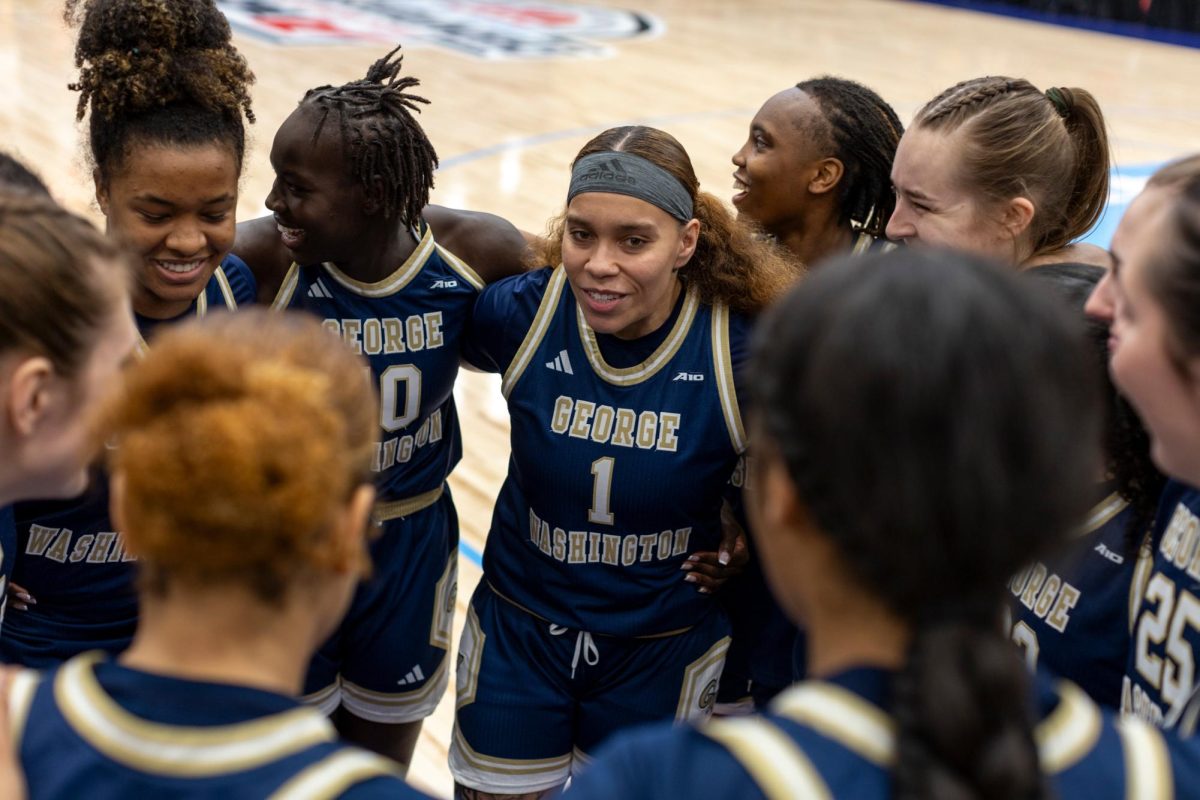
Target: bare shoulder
(491, 245)
(258, 244)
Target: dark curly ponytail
(163, 71)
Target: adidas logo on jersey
(561, 363)
(318, 290)
(414, 675)
(689, 376)
(443, 284)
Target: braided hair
(1020, 142)
(159, 71)
(383, 138)
(864, 132)
(932, 508)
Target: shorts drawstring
(584, 643)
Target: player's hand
(709, 570)
(12, 781)
(20, 599)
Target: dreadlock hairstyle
(864, 132)
(158, 71)
(1017, 141)
(382, 137)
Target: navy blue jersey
(621, 455)
(835, 739)
(68, 555)
(1161, 677)
(99, 730)
(8, 546)
(1074, 614)
(408, 325)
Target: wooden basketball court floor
(506, 129)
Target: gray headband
(615, 172)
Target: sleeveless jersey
(835, 739)
(617, 472)
(1074, 614)
(408, 325)
(100, 730)
(69, 556)
(1161, 679)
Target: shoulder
(516, 295)
(241, 279)
(353, 773)
(503, 314)
(490, 245)
(259, 247)
(660, 761)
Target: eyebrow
(160, 201)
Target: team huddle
(878, 485)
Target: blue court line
(1132, 30)
(473, 555)
(525, 142)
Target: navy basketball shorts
(387, 661)
(534, 699)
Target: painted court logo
(487, 29)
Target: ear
(373, 197)
(690, 237)
(352, 530)
(1018, 213)
(101, 191)
(30, 391)
(827, 177)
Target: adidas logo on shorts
(415, 675)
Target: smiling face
(174, 207)
(621, 254)
(1162, 386)
(933, 207)
(317, 203)
(1144, 208)
(780, 158)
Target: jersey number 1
(602, 474)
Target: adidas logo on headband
(608, 171)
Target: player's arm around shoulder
(491, 245)
(258, 244)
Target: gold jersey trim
(179, 750)
(287, 288)
(1070, 731)
(726, 388)
(331, 776)
(781, 769)
(394, 282)
(143, 347)
(507, 766)
(631, 376)
(536, 332)
(1103, 512)
(395, 509)
(843, 716)
(226, 289)
(21, 688)
(1063, 738)
(1147, 762)
(462, 268)
(1141, 577)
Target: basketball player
(889, 521)
(166, 142)
(994, 166)
(1154, 362)
(1072, 612)
(621, 370)
(815, 171)
(815, 174)
(353, 174)
(241, 479)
